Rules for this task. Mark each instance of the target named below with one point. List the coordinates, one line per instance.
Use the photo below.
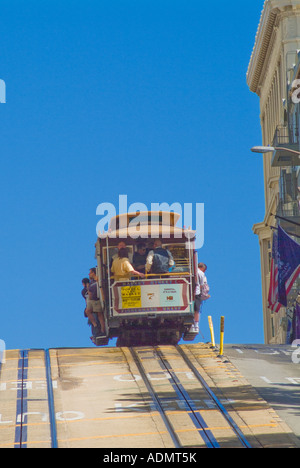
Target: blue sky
(136, 97)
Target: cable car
(159, 307)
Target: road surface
(274, 371)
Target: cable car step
(190, 336)
(100, 340)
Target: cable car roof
(147, 225)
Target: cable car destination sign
(158, 296)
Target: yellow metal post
(211, 327)
(222, 336)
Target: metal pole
(190, 273)
(211, 327)
(108, 278)
(222, 336)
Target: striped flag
(288, 261)
(273, 303)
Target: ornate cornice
(268, 20)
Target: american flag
(273, 303)
(288, 264)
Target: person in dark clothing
(84, 292)
(159, 260)
(94, 309)
(140, 257)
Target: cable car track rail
(24, 412)
(22, 404)
(53, 429)
(155, 398)
(225, 413)
(187, 403)
(184, 396)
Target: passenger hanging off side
(201, 294)
(93, 309)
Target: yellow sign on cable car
(131, 297)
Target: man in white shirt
(198, 301)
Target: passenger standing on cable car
(121, 245)
(159, 260)
(140, 257)
(122, 268)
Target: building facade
(272, 73)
